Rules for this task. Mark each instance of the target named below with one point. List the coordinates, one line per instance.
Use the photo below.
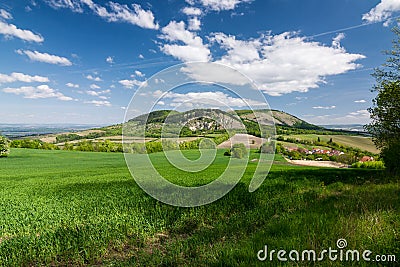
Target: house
(366, 158)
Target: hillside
(213, 123)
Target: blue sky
(81, 61)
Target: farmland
(78, 208)
(361, 142)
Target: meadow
(70, 208)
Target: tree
(239, 151)
(385, 112)
(4, 147)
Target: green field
(77, 208)
(361, 142)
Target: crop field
(84, 209)
(364, 143)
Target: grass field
(77, 208)
(361, 142)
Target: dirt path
(312, 163)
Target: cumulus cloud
(110, 60)
(192, 11)
(383, 11)
(71, 4)
(192, 49)
(10, 30)
(359, 114)
(324, 107)
(93, 78)
(211, 99)
(41, 91)
(141, 56)
(139, 74)
(94, 86)
(5, 15)
(336, 41)
(133, 14)
(284, 63)
(72, 85)
(219, 5)
(99, 103)
(360, 101)
(97, 93)
(20, 77)
(129, 84)
(45, 58)
(194, 24)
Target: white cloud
(96, 93)
(20, 77)
(71, 85)
(141, 56)
(94, 86)
(99, 103)
(110, 60)
(336, 41)
(71, 4)
(129, 84)
(139, 74)
(5, 15)
(356, 117)
(383, 11)
(284, 63)
(324, 107)
(115, 12)
(194, 24)
(238, 51)
(46, 58)
(219, 5)
(210, 99)
(191, 11)
(93, 78)
(192, 49)
(360, 101)
(359, 114)
(41, 91)
(26, 35)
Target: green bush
(239, 151)
(369, 165)
(4, 147)
(268, 147)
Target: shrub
(268, 147)
(238, 151)
(4, 147)
(369, 165)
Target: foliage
(369, 165)
(90, 146)
(33, 144)
(67, 137)
(385, 113)
(268, 147)
(239, 151)
(4, 147)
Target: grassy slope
(60, 207)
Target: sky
(82, 61)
